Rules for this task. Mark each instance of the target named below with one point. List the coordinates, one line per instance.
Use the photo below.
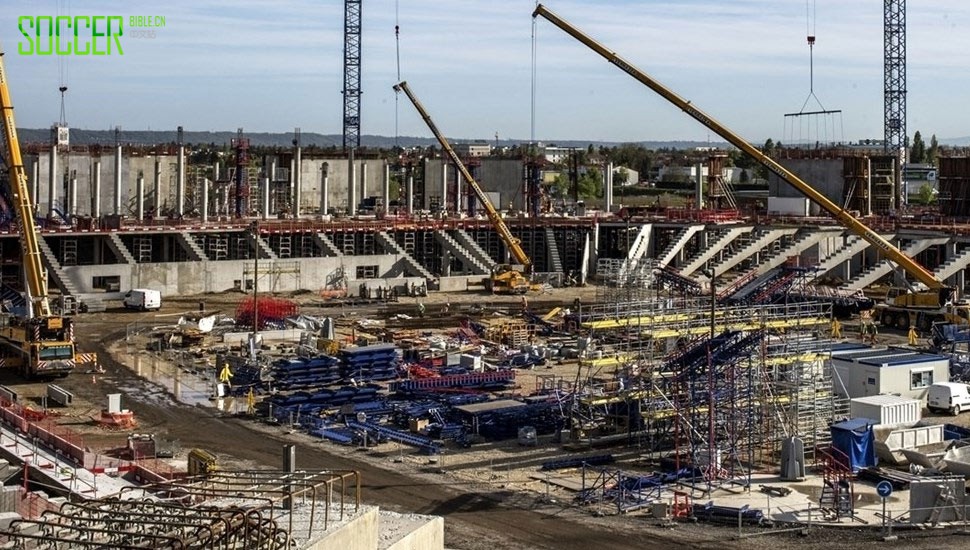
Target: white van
(948, 396)
(143, 299)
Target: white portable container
(891, 411)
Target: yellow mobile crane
(912, 307)
(39, 343)
(505, 278)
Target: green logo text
(65, 35)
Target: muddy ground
(480, 514)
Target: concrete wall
(187, 278)
(338, 170)
(428, 535)
(825, 175)
(310, 199)
(503, 176)
(83, 165)
(360, 533)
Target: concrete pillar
(444, 186)
(180, 177)
(265, 209)
(351, 186)
(96, 193)
(52, 182)
(363, 180)
(205, 198)
(700, 186)
(117, 195)
(274, 206)
(35, 184)
(140, 194)
(297, 182)
(386, 188)
(410, 198)
(72, 195)
(460, 198)
(324, 189)
(157, 190)
(608, 188)
(215, 179)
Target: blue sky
(272, 66)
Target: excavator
(920, 307)
(37, 342)
(505, 278)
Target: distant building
(467, 150)
(632, 176)
(553, 153)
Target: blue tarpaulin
(855, 438)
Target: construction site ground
(491, 495)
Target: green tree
(926, 196)
(917, 154)
(621, 176)
(933, 151)
(590, 184)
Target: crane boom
(840, 214)
(503, 230)
(33, 267)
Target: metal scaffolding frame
(715, 389)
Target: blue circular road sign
(884, 489)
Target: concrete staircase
(189, 244)
(120, 250)
(853, 245)
(713, 249)
(467, 259)
(762, 239)
(412, 266)
(953, 266)
(260, 245)
(640, 244)
(474, 248)
(801, 243)
(677, 244)
(884, 267)
(552, 252)
(55, 273)
(327, 245)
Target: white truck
(143, 299)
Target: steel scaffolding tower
(351, 74)
(894, 74)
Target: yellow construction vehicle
(508, 279)
(37, 342)
(505, 277)
(938, 296)
(201, 462)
